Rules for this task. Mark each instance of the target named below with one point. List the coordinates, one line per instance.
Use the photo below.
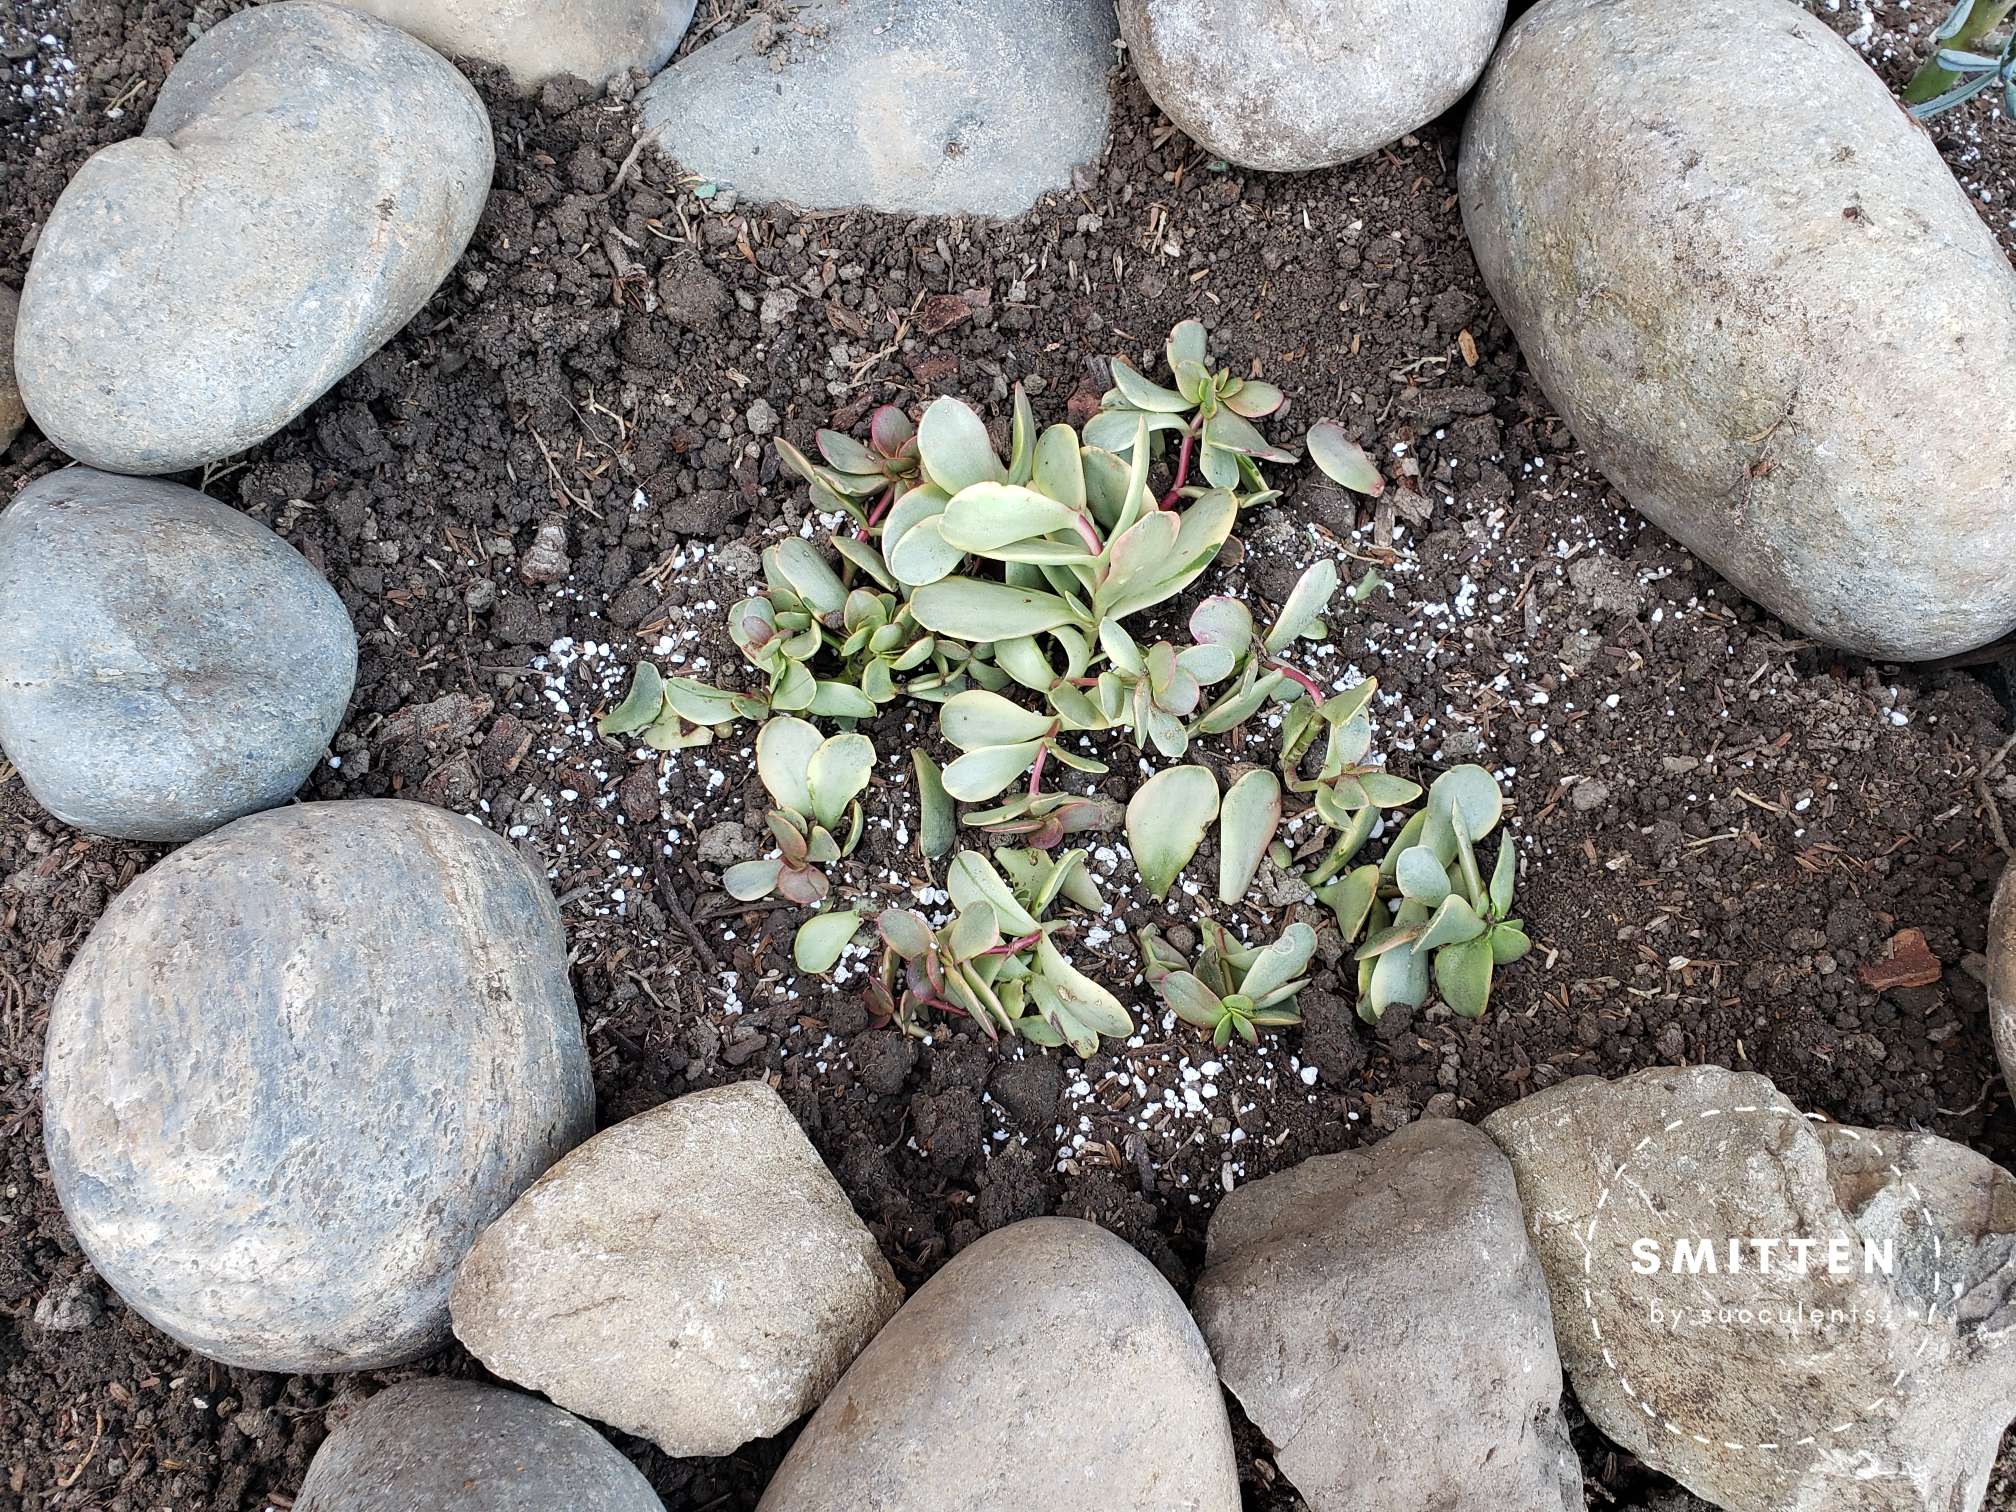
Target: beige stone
(539, 40)
(694, 1276)
(1048, 1368)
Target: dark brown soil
(1721, 823)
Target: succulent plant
(676, 714)
(1209, 415)
(1234, 988)
(995, 962)
(1248, 820)
(1428, 907)
(1967, 61)
(815, 782)
(1345, 783)
(862, 479)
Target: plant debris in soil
(564, 466)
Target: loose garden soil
(1723, 826)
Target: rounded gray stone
(539, 40)
(1289, 85)
(959, 107)
(1749, 283)
(1359, 1304)
(299, 1065)
(1047, 1368)
(12, 414)
(635, 1302)
(459, 1446)
(306, 180)
(167, 664)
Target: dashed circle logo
(1686, 1284)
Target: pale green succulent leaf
(1508, 944)
(838, 700)
(1145, 395)
(1422, 876)
(1463, 977)
(976, 719)
(1455, 923)
(641, 707)
(986, 773)
(820, 939)
(836, 775)
(975, 611)
(784, 750)
(938, 820)
(1279, 964)
(1247, 822)
(1350, 898)
(1192, 1001)
(808, 575)
(987, 516)
(1307, 604)
(953, 446)
(746, 881)
(1166, 821)
(972, 879)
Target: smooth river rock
(1047, 1368)
(13, 415)
(307, 178)
(1748, 282)
(1870, 1371)
(2002, 974)
(459, 1446)
(299, 1065)
(539, 40)
(694, 1276)
(167, 664)
(959, 107)
(1359, 1304)
(1286, 85)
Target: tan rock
(694, 1276)
(1048, 1368)
(539, 40)
(2002, 974)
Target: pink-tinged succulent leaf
(1343, 461)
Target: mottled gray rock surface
(306, 180)
(1872, 1373)
(1285, 85)
(12, 414)
(299, 1065)
(694, 1276)
(974, 107)
(1360, 1304)
(541, 39)
(2002, 974)
(167, 664)
(1047, 1368)
(1752, 288)
(458, 1446)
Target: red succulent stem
(1090, 535)
(1013, 947)
(1036, 772)
(875, 515)
(1182, 468)
(1315, 693)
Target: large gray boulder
(2002, 974)
(1748, 282)
(1286, 85)
(13, 415)
(1782, 1315)
(167, 664)
(960, 107)
(539, 40)
(299, 1065)
(1359, 1304)
(1048, 1368)
(700, 1311)
(306, 180)
(458, 1446)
